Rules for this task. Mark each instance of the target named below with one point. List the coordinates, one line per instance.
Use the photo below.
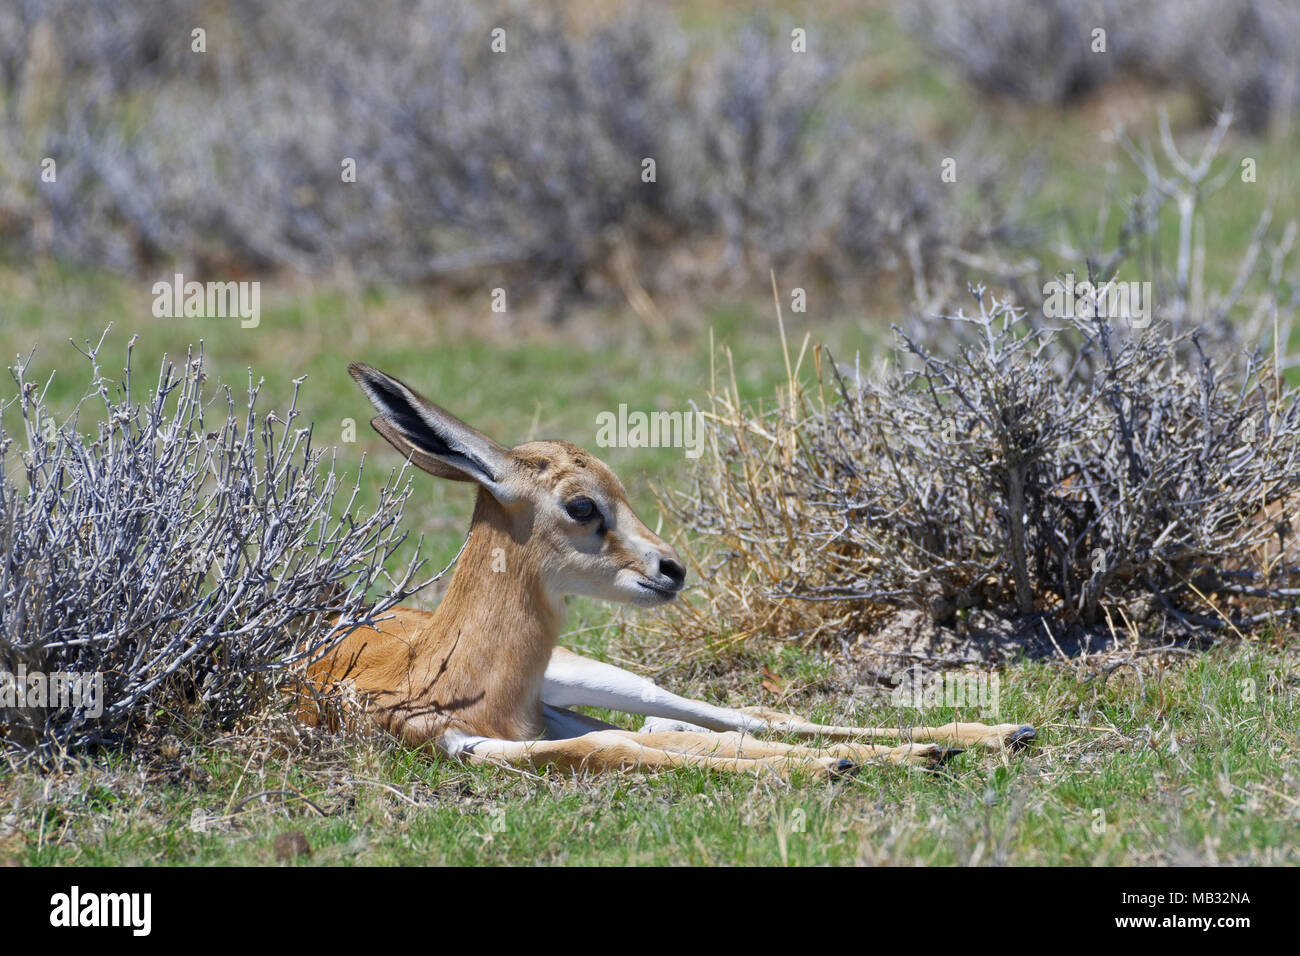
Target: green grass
(1199, 763)
(1179, 767)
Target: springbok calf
(481, 677)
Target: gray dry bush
(1025, 466)
(190, 549)
(1242, 52)
(1081, 477)
(525, 164)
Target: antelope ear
(433, 438)
(421, 458)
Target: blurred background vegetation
(522, 170)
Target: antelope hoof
(1021, 737)
(843, 770)
(940, 756)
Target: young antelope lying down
(482, 677)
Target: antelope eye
(581, 509)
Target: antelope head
(564, 512)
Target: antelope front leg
(681, 725)
(573, 680)
(986, 736)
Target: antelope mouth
(666, 593)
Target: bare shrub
(762, 139)
(114, 47)
(1036, 51)
(1072, 465)
(188, 551)
(1240, 52)
(1245, 53)
(1059, 475)
(525, 165)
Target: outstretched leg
(573, 680)
(576, 741)
(988, 736)
(624, 750)
(567, 725)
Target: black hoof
(844, 770)
(944, 754)
(1022, 737)
(936, 757)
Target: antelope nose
(672, 570)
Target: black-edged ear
(433, 438)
